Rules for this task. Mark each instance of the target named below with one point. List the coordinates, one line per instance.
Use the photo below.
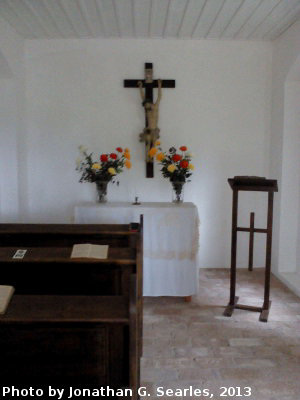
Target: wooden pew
(92, 319)
(80, 341)
(62, 235)
(56, 241)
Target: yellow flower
(191, 166)
(160, 156)
(172, 167)
(152, 152)
(157, 143)
(96, 166)
(126, 150)
(127, 155)
(112, 171)
(127, 164)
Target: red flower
(113, 156)
(183, 148)
(103, 158)
(176, 157)
(184, 164)
(119, 149)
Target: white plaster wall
(8, 153)
(11, 103)
(298, 232)
(219, 109)
(286, 50)
(290, 190)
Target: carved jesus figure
(151, 131)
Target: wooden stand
(248, 183)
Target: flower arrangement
(176, 166)
(104, 170)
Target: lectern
(259, 184)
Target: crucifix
(151, 132)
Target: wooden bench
(72, 321)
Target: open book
(6, 293)
(88, 250)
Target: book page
(6, 293)
(80, 250)
(98, 251)
(88, 250)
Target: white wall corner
(11, 82)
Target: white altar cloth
(171, 236)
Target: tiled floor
(192, 344)
(292, 280)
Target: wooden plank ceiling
(181, 19)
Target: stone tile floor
(192, 344)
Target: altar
(171, 237)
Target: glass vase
(101, 187)
(177, 191)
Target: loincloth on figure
(149, 136)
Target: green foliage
(179, 174)
(90, 174)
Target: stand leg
(230, 308)
(188, 299)
(267, 303)
(268, 251)
(233, 247)
(265, 313)
(251, 242)
(233, 299)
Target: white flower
(82, 149)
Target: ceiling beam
(157, 17)
(229, 10)
(176, 13)
(73, 14)
(108, 18)
(259, 14)
(240, 18)
(285, 23)
(37, 8)
(274, 18)
(8, 11)
(58, 16)
(209, 13)
(142, 17)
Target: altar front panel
(171, 236)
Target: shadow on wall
(8, 149)
(289, 254)
(5, 71)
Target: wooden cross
(149, 84)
